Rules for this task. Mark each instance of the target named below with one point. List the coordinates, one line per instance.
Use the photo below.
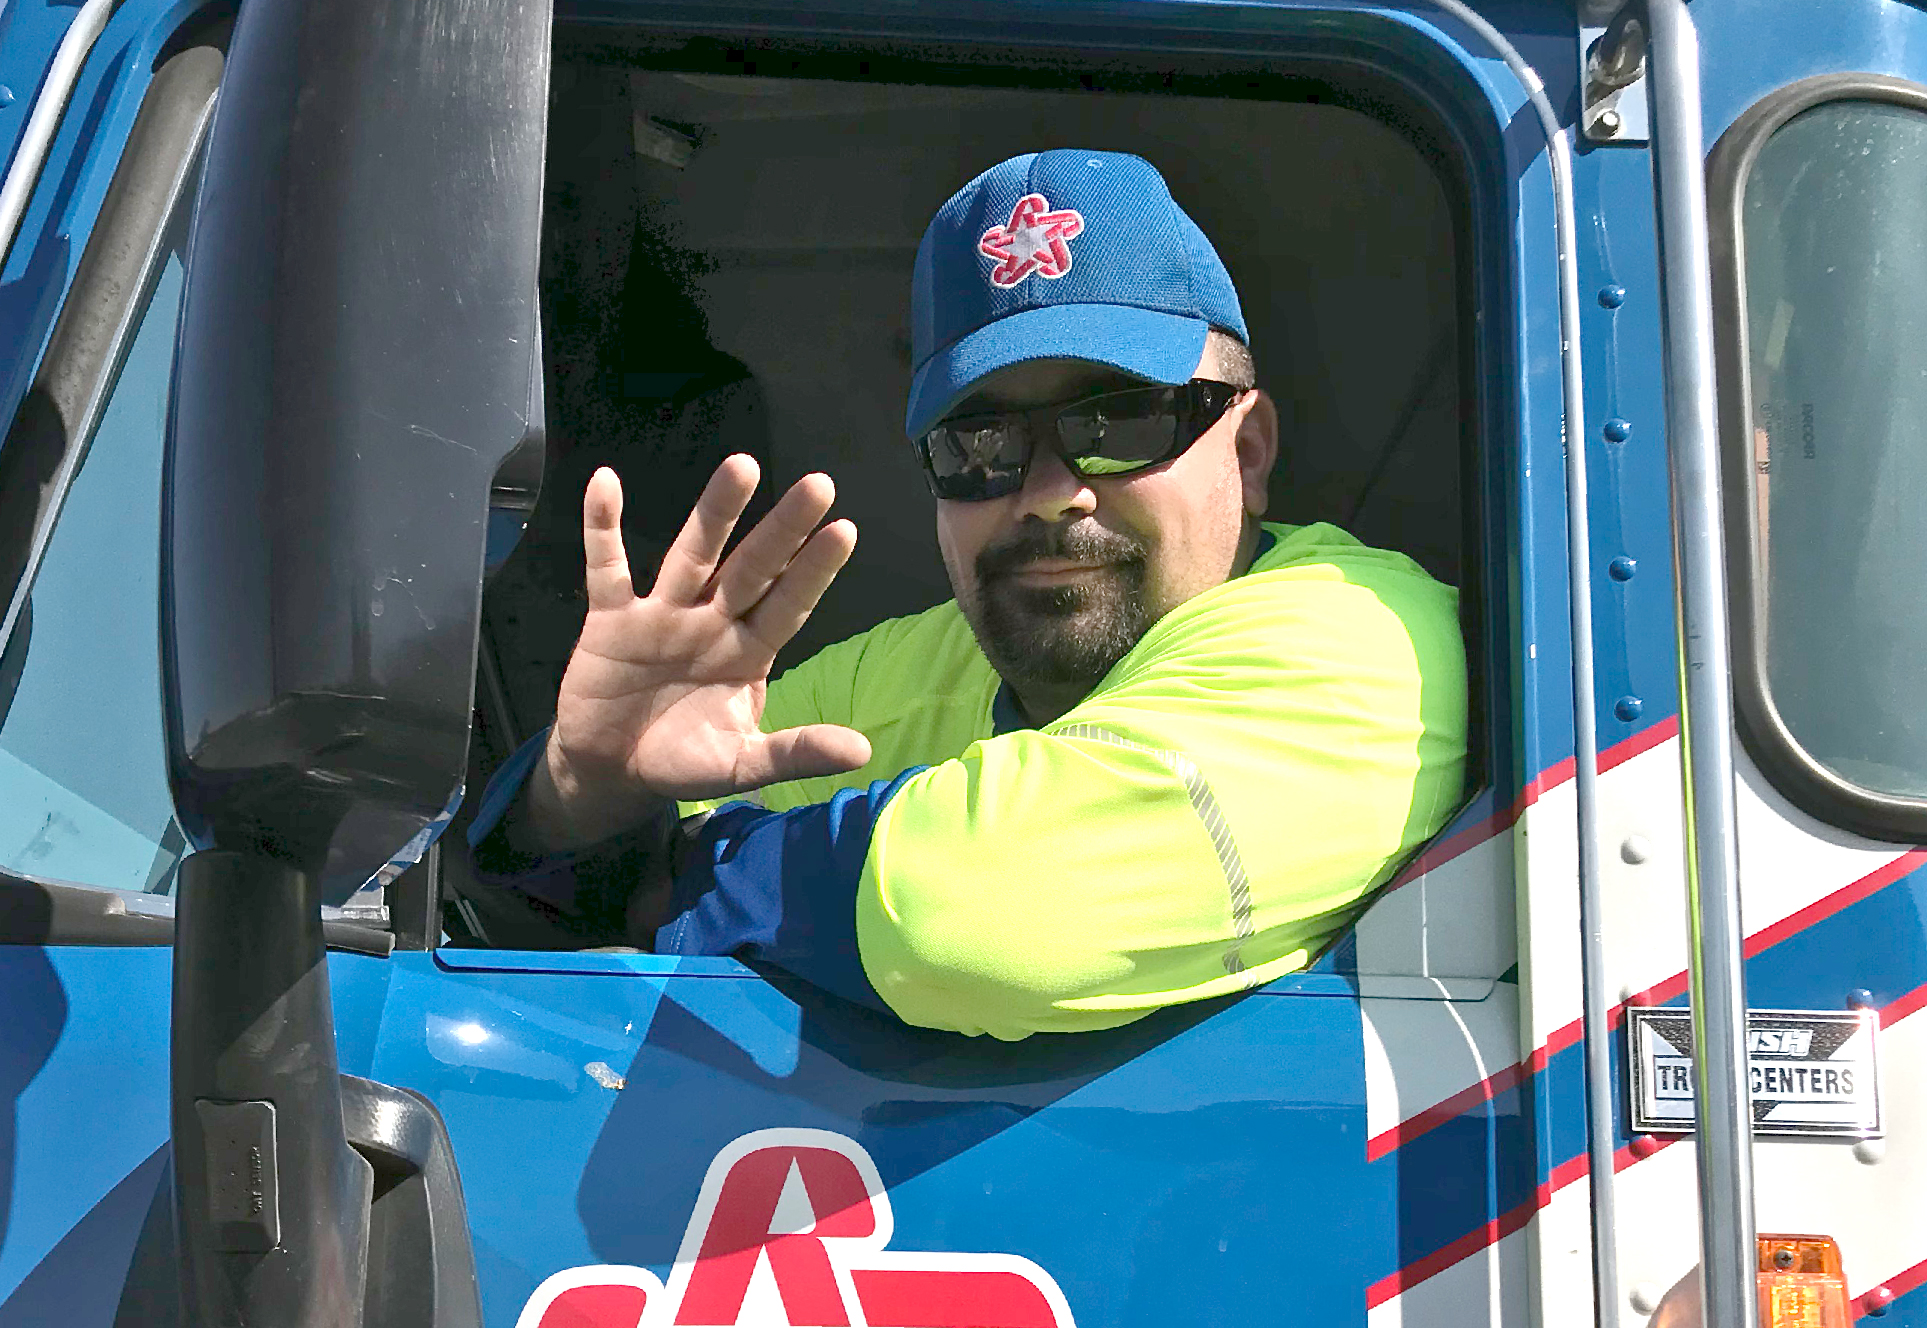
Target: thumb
(801, 753)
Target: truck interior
(728, 237)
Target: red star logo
(1036, 240)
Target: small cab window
(84, 797)
(1819, 194)
(83, 763)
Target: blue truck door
(602, 1104)
(654, 1140)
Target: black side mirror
(357, 360)
(358, 357)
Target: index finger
(605, 563)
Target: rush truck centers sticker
(1034, 240)
(789, 1229)
(1809, 1071)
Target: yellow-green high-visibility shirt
(1209, 818)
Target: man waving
(1154, 751)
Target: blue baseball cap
(1063, 254)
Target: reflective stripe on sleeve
(1210, 815)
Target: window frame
(1394, 84)
(1787, 765)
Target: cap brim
(1161, 347)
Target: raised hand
(663, 694)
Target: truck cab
(313, 325)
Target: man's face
(1060, 579)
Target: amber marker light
(1801, 1283)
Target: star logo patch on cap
(1035, 240)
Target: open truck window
(727, 253)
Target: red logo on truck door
(789, 1231)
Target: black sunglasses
(973, 457)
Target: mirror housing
(358, 356)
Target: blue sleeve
(780, 887)
(550, 878)
(504, 786)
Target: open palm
(664, 692)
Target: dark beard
(1060, 636)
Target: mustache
(1082, 542)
